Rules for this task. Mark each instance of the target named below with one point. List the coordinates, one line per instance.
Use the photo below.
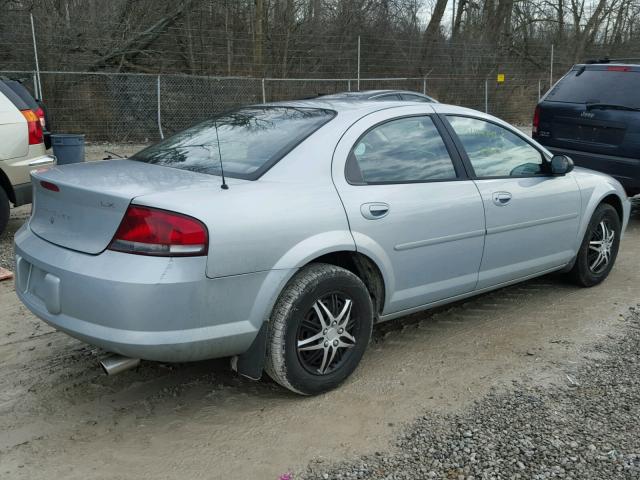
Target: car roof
(339, 104)
(634, 67)
(365, 107)
(373, 93)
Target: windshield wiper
(611, 106)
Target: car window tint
(494, 151)
(249, 140)
(414, 98)
(403, 150)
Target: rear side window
(404, 150)
(611, 85)
(249, 140)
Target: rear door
(410, 205)
(591, 109)
(531, 216)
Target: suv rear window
(13, 96)
(250, 141)
(603, 85)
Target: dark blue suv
(593, 115)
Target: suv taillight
(34, 126)
(40, 114)
(151, 231)
(536, 120)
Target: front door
(410, 207)
(532, 217)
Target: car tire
(596, 256)
(4, 210)
(319, 329)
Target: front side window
(248, 140)
(494, 151)
(404, 150)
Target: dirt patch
(60, 417)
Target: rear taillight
(618, 69)
(536, 120)
(150, 231)
(49, 186)
(40, 114)
(34, 126)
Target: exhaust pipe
(115, 364)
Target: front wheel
(319, 329)
(599, 247)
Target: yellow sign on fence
(501, 78)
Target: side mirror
(561, 165)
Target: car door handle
(501, 198)
(374, 210)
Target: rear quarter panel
(13, 131)
(289, 216)
(594, 187)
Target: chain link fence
(141, 108)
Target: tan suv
(21, 150)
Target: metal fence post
(35, 86)
(349, 85)
(159, 116)
(424, 86)
(264, 93)
(486, 96)
(551, 69)
(35, 54)
(358, 63)
(539, 90)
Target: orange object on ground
(5, 274)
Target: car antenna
(224, 185)
(112, 153)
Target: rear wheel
(4, 210)
(319, 329)
(599, 247)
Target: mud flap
(251, 363)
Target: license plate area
(39, 285)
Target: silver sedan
(279, 234)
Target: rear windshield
(598, 86)
(249, 140)
(23, 93)
(13, 96)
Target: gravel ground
(587, 428)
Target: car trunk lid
(81, 206)
(575, 123)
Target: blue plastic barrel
(68, 147)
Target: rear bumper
(23, 193)
(153, 308)
(625, 170)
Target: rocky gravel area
(586, 428)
